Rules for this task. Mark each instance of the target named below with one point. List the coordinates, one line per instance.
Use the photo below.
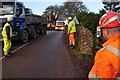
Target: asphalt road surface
(44, 57)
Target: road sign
(75, 20)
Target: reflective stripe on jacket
(107, 60)
(71, 27)
(4, 32)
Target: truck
(25, 24)
(59, 25)
(50, 19)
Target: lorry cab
(11, 8)
(59, 25)
(7, 9)
(14, 9)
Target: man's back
(107, 59)
(71, 27)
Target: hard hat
(69, 18)
(109, 20)
(9, 19)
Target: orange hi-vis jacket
(107, 60)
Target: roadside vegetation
(87, 43)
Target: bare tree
(69, 8)
(112, 5)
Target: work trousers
(7, 46)
(72, 39)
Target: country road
(44, 57)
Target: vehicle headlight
(62, 28)
(56, 28)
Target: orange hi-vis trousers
(72, 39)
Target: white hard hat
(69, 18)
(9, 19)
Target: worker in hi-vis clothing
(7, 35)
(107, 60)
(71, 32)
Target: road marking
(15, 50)
(2, 57)
(1, 39)
(19, 48)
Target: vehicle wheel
(45, 32)
(41, 32)
(34, 35)
(24, 36)
(44, 29)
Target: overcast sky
(39, 6)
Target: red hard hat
(109, 20)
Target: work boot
(8, 55)
(71, 47)
(74, 46)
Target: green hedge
(88, 20)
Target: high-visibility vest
(4, 32)
(107, 60)
(71, 27)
